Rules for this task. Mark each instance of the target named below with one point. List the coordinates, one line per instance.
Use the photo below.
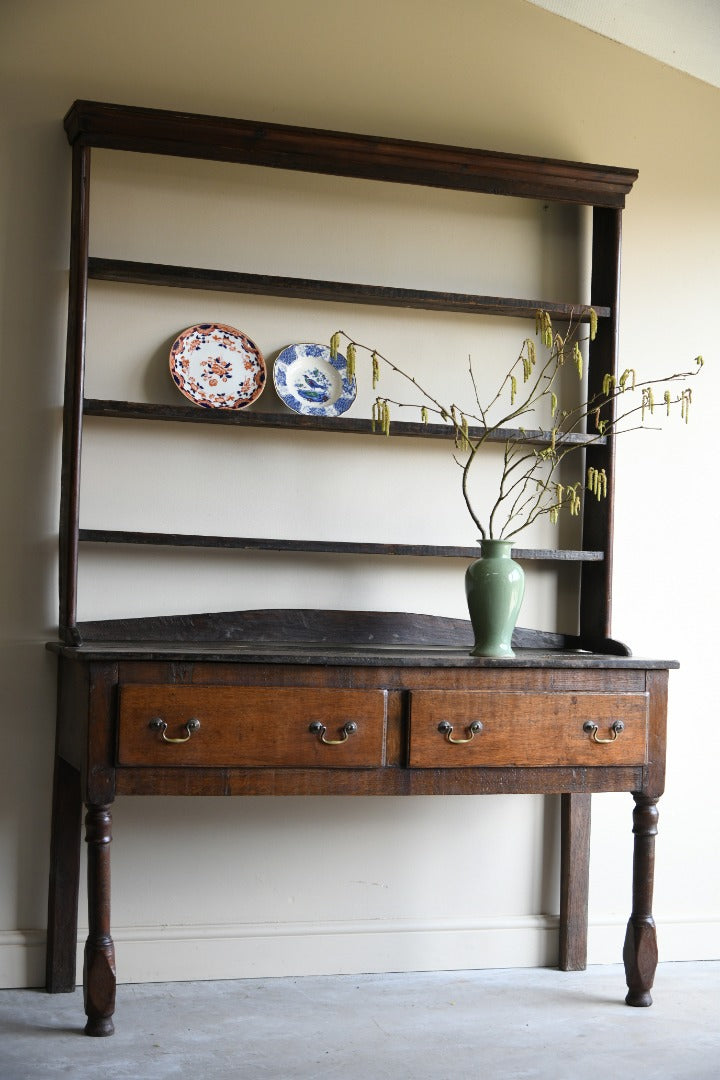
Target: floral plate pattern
(217, 366)
(309, 381)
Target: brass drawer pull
(316, 728)
(158, 724)
(446, 729)
(592, 730)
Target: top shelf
(158, 131)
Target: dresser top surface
(382, 655)
(332, 638)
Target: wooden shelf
(192, 277)
(343, 153)
(325, 547)
(193, 414)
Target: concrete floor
(473, 1025)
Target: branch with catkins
(528, 486)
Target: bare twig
(527, 488)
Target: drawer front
(526, 729)
(251, 726)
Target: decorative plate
(217, 366)
(310, 382)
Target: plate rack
(125, 128)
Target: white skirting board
(247, 951)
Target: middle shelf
(192, 414)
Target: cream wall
(213, 888)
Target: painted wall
(214, 888)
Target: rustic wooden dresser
(325, 702)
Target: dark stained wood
(99, 963)
(596, 581)
(247, 706)
(325, 547)
(657, 685)
(74, 698)
(640, 952)
(537, 671)
(193, 414)
(395, 781)
(424, 657)
(574, 879)
(192, 277)
(99, 752)
(396, 731)
(61, 953)
(74, 392)
(299, 625)
(93, 124)
(275, 662)
(157, 131)
(314, 626)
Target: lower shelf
(332, 547)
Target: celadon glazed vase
(494, 585)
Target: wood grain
(111, 408)
(251, 726)
(257, 680)
(181, 134)
(194, 277)
(574, 880)
(526, 729)
(63, 888)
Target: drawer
(251, 726)
(526, 729)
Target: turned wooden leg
(574, 880)
(99, 965)
(61, 950)
(640, 953)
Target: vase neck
(496, 549)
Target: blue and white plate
(310, 382)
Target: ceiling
(685, 34)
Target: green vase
(494, 586)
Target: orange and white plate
(217, 366)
